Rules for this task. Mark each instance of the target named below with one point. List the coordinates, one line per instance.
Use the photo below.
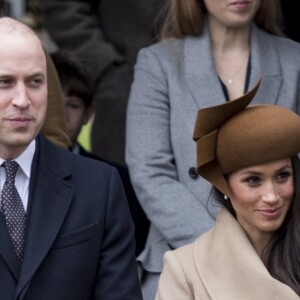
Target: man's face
(23, 92)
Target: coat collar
(202, 79)
(199, 70)
(230, 268)
(49, 200)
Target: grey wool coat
(172, 81)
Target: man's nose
(21, 96)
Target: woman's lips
(271, 213)
(240, 5)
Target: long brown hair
(186, 17)
(281, 255)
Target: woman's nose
(270, 194)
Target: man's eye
(35, 82)
(5, 82)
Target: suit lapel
(49, 201)
(7, 251)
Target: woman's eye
(283, 176)
(252, 180)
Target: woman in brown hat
(249, 154)
(212, 51)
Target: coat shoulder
(61, 161)
(163, 51)
(286, 47)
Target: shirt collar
(25, 158)
(76, 149)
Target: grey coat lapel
(199, 70)
(50, 199)
(264, 63)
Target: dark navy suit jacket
(140, 220)
(79, 239)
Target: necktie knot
(11, 168)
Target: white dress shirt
(23, 175)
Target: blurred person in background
(106, 35)
(77, 98)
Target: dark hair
(218, 196)
(281, 255)
(72, 75)
(186, 17)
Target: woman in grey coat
(211, 51)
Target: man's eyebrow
(41, 74)
(6, 75)
(38, 73)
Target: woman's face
(232, 13)
(261, 196)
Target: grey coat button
(193, 172)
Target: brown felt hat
(233, 136)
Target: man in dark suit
(107, 35)
(65, 227)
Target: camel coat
(220, 265)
